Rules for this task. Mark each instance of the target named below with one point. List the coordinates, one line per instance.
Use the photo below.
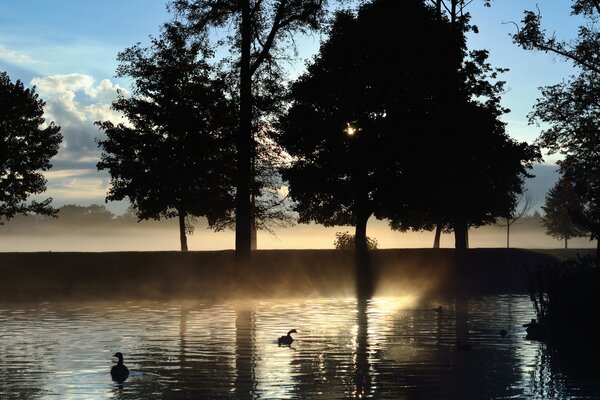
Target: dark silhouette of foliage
(562, 208)
(464, 141)
(26, 148)
(345, 241)
(350, 111)
(173, 157)
(260, 35)
(571, 108)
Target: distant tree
(173, 157)
(562, 208)
(26, 147)
(345, 241)
(572, 108)
(262, 32)
(524, 205)
(92, 215)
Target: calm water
(396, 348)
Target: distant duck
(119, 372)
(503, 333)
(536, 331)
(287, 339)
(438, 309)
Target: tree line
(394, 118)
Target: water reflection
(396, 348)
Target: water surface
(396, 348)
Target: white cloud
(15, 57)
(74, 102)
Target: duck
(287, 339)
(536, 331)
(503, 333)
(119, 372)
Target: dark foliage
(260, 36)
(565, 298)
(572, 108)
(26, 147)
(345, 241)
(562, 208)
(174, 156)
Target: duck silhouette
(536, 331)
(287, 339)
(119, 372)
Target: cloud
(15, 57)
(74, 102)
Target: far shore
(272, 273)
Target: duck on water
(119, 372)
(287, 339)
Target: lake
(384, 347)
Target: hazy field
(148, 236)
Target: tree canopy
(26, 146)
(572, 108)
(262, 33)
(173, 156)
(562, 209)
(397, 127)
(340, 127)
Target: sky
(68, 50)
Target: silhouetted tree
(172, 157)
(262, 31)
(26, 147)
(562, 203)
(524, 204)
(453, 143)
(572, 107)
(355, 115)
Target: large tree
(572, 108)
(26, 147)
(562, 209)
(355, 115)
(172, 156)
(261, 32)
(458, 131)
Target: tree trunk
(507, 233)
(364, 275)
(360, 233)
(438, 235)
(243, 224)
(598, 249)
(460, 234)
(566, 246)
(182, 235)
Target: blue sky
(68, 49)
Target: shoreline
(272, 273)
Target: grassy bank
(272, 273)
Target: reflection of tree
(362, 378)
(244, 349)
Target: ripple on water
(385, 347)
